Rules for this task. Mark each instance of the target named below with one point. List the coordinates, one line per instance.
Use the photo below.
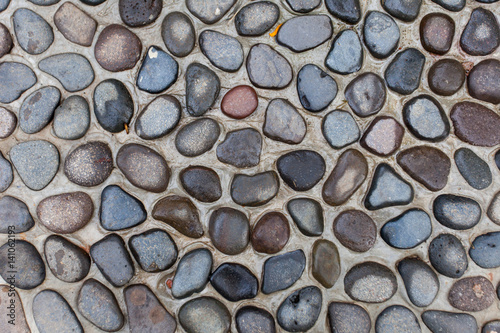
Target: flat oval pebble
(370, 282)
(475, 293)
(29, 267)
(456, 212)
(447, 255)
(446, 77)
(154, 250)
(346, 54)
(305, 32)
(8, 122)
(239, 102)
(193, 316)
(481, 35)
(180, 213)
(381, 34)
(404, 72)
(436, 32)
(201, 183)
(234, 282)
(241, 148)
(451, 5)
(36, 162)
(420, 281)
(67, 261)
(143, 167)
(202, 89)
(282, 271)
(119, 210)
(72, 70)
(229, 230)
(443, 321)
(255, 190)
(316, 89)
(404, 10)
(426, 119)
(178, 34)
(283, 122)
(474, 170)
(307, 215)
(476, 124)
(113, 105)
(485, 250)
(493, 211)
(158, 71)
(14, 215)
(15, 79)
(250, 319)
(270, 234)
(139, 13)
(5, 40)
(300, 310)
(89, 164)
(75, 25)
(268, 69)
(6, 173)
(355, 230)
(211, 12)
(383, 136)
(301, 169)
(191, 275)
(33, 33)
(366, 94)
(407, 230)
(347, 318)
(340, 129)
(223, 51)
(483, 82)
(397, 318)
(303, 6)
(197, 137)
(113, 260)
(256, 18)
(53, 314)
(158, 118)
(72, 118)
(388, 189)
(99, 306)
(325, 266)
(348, 11)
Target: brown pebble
(355, 230)
(75, 25)
(436, 32)
(89, 164)
(5, 40)
(446, 77)
(383, 137)
(325, 263)
(270, 234)
(239, 102)
(180, 213)
(229, 230)
(475, 293)
(8, 122)
(476, 124)
(483, 81)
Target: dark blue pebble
(234, 282)
(158, 71)
(404, 72)
(485, 250)
(154, 250)
(113, 105)
(407, 230)
(316, 89)
(456, 212)
(119, 210)
(282, 271)
(15, 78)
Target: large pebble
(305, 32)
(267, 68)
(476, 124)
(65, 213)
(420, 281)
(443, 321)
(33, 33)
(223, 51)
(241, 148)
(239, 102)
(92, 2)
(347, 318)
(447, 255)
(15, 79)
(303, 6)
(436, 32)
(366, 94)
(425, 118)
(301, 169)
(89, 164)
(180, 213)
(158, 71)
(197, 137)
(72, 118)
(5, 40)
(283, 122)
(381, 34)
(209, 12)
(355, 230)
(119, 210)
(6, 173)
(139, 13)
(14, 215)
(71, 69)
(8, 122)
(348, 11)
(205, 314)
(491, 327)
(202, 89)
(346, 55)
(154, 250)
(481, 35)
(397, 318)
(270, 234)
(192, 273)
(38, 108)
(474, 170)
(300, 310)
(316, 89)
(178, 34)
(475, 293)
(234, 282)
(53, 314)
(446, 77)
(8, 295)
(250, 319)
(370, 282)
(256, 18)
(29, 267)
(67, 261)
(201, 183)
(255, 190)
(229, 230)
(483, 81)
(383, 136)
(75, 25)
(404, 10)
(325, 263)
(485, 250)
(456, 212)
(158, 118)
(113, 105)
(308, 215)
(282, 271)
(451, 5)
(404, 72)
(407, 230)
(340, 129)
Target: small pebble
(305, 32)
(15, 79)
(66, 260)
(346, 55)
(303, 6)
(72, 118)
(268, 69)
(494, 208)
(179, 213)
(420, 281)
(202, 89)
(250, 319)
(301, 169)
(158, 71)
(366, 94)
(283, 122)
(348, 318)
(381, 34)
(6, 173)
(229, 230)
(241, 148)
(483, 82)
(8, 122)
(210, 12)
(383, 136)
(239, 102)
(370, 282)
(201, 183)
(65, 213)
(407, 230)
(178, 34)
(119, 210)
(270, 234)
(14, 215)
(205, 314)
(300, 310)
(234, 282)
(33, 33)
(316, 89)
(75, 25)
(397, 318)
(257, 18)
(340, 129)
(475, 293)
(158, 118)
(89, 164)
(5, 40)
(447, 255)
(451, 5)
(481, 35)
(307, 215)
(53, 314)
(191, 275)
(404, 10)
(72, 70)
(485, 250)
(446, 77)
(456, 212)
(154, 250)
(436, 32)
(404, 72)
(223, 51)
(325, 263)
(113, 105)
(475, 171)
(282, 271)
(255, 190)
(442, 321)
(475, 124)
(355, 230)
(197, 137)
(29, 267)
(348, 11)
(139, 13)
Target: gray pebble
(397, 319)
(452, 5)
(6, 173)
(197, 137)
(255, 190)
(307, 215)
(283, 122)
(381, 34)
(67, 261)
(366, 94)
(72, 118)
(300, 310)
(346, 54)
(205, 314)
(282, 271)
(494, 208)
(316, 89)
(241, 148)
(154, 250)
(267, 68)
(15, 79)
(420, 281)
(340, 129)
(485, 250)
(38, 108)
(223, 51)
(408, 229)
(8, 122)
(113, 105)
(209, 12)
(33, 33)
(303, 6)
(456, 212)
(53, 314)
(202, 89)
(348, 318)
(158, 118)
(178, 34)
(119, 210)
(191, 275)
(30, 269)
(89, 164)
(256, 18)
(448, 322)
(370, 282)
(305, 32)
(71, 69)
(404, 72)
(158, 71)
(474, 170)
(348, 11)
(14, 213)
(404, 10)
(447, 255)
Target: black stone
(407, 230)
(120, 210)
(178, 34)
(202, 89)
(158, 71)
(404, 72)
(241, 148)
(67, 261)
(447, 255)
(348, 318)
(29, 266)
(250, 319)
(234, 282)
(346, 55)
(366, 94)
(154, 250)
(301, 169)
(456, 212)
(403, 9)
(481, 35)
(282, 271)
(267, 68)
(300, 310)
(139, 13)
(485, 250)
(49, 307)
(443, 321)
(255, 190)
(33, 33)
(197, 137)
(191, 275)
(474, 170)
(305, 32)
(348, 11)
(381, 34)
(420, 281)
(256, 18)
(307, 215)
(426, 119)
(316, 89)
(223, 51)
(15, 79)
(72, 70)
(201, 183)
(14, 215)
(113, 105)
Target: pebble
(451, 5)
(158, 71)
(283, 122)
(481, 35)
(117, 48)
(36, 162)
(113, 105)
(29, 267)
(6, 173)
(49, 307)
(8, 122)
(145, 311)
(381, 34)
(476, 124)
(426, 119)
(241, 148)
(72, 118)
(404, 10)
(201, 183)
(383, 136)
(143, 167)
(223, 51)
(119, 210)
(407, 230)
(33, 33)
(72, 70)
(456, 212)
(44, 2)
(355, 230)
(282, 271)
(483, 82)
(255, 190)
(268, 69)
(179, 213)
(497, 159)
(113, 260)
(5, 40)
(446, 77)
(209, 12)
(484, 250)
(303, 6)
(191, 275)
(6, 295)
(139, 13)
(370, 282)
(436, 32)
(325, 263)
(154, 250)
(475, 293)
(491, 327)
(388, 189)
(202, 89)
(301, 169)
(271, 233)
(99, 306)
(340, 129)
(366, 94)
(347, 318)
(427, 165)
(239, 102)
(234, 282)
(4, 4)
(316, 89)
(92, 2)
(404, 72)
(307, 215)
(443, 321)
(346, 54)
(197, 137)
(193, 314)
(348, 11)
(475, 171)
(257, 18)
(229, 230)
(305, 32)
(15, 79)
(75, 25)
(178, 34)
(66, 260)
(158, 118)
(397, 318)
(346, 178)
(14, 213)
(420, 281)
(250, 319)
(89, 164)
(493, 211)
(300, 310)
(447, 255)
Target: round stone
(483, 82)
(485, 250)
(447, 255)
(340, 129)
(346, 54)
(283, 122)
(239, 102)
(113, 105)
(383, 136)
(158, 71)
(15, 79)
(193, 315)
(72, 70)
(366, 94)
(381, 34)
(300, 310)
(119, 210)
(347, 318)
(325, 263)
(158, 118)
(75, 25)
(8, 122)
(444, 321)
(191, 275)
(404, 72)
(476, 124)
(307, 215)
(370, 282)
(348, 11)
(229, 230)
(154, 250)
(210, 12)
(223, 51)
(397, 318)
(407, 230)
(268, 69)
(446, 77)
(316, 89)
(301, 169)
(305, 32)
(241, 148)
(197, 137)
(355, 230)
(481, 35)
(180, 213)
(234, 282)
(475, 293)
(406, 11)
(48, 309)
(270, 234)
(178, 34)
(282, 271)
(256, 18)
(67, 261)
(456, 212)
(38, 108)
(202, 89)
(139, 13)
(250, 319)
(475, 171)
(89, 164)
(201, 183)
(72, 118)
(33, 33)
(14, 216)
(436, 32)
(30, 269)
(420, 281)
(5, 40)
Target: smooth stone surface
(483, 82)
(250, 319)
(15, 79)
(4, 4)
(485, 250)
(497, 159)
(303, 6)
(270, 234)
(30, 269)
(66, 260)
(158, 118)
(407, 230)
(5, 40)
(446, 77)
(301, 169)
(381, 34)
(36, 162)
(316, 89)
(451, 5)
(476, 124)
(325, 263)
(397, 318)
(355, 230)
(201, 183)
(493, 211)
(283, 122)
(202, 89)
(257, 18)
(14, 215)
(223, 51)
(197, 137)
(347, 318)
(475, 293)
(307, 215)
(383, 136)
(268, 69)
(191, 275)
(65, 213)
(193, 315)
(75, 25)
(6, 173)
(158, 71)
(44, 2)
(491, 327)
(211, 12)
(6, 295)
(370, 282)
(8, 122)
(53, 314)
(475, 171)
(89, 164)
(443, 321)
(346, 54)
(139, 13)
(113, 105)
(113, 260)
(255, 190)
(241, 148)
(72, 118)
(404, 10)
(179, 213)
(154, 250)
(282, 271)
(340, 129)
(119, 210)
(366, 94)
(481, 35)
(239, 102)
(420, 281)
(72, 70)
(348, 11)
(388, 189)
(436, 32)
(447, 255)
(404, 72)
(305, 32)
(33, 33)
(229, 230)
(178, 34)
(234, 282)
(456, 212)
(300, 310)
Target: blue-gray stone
(404, 72)
(340, 129)
(485, 250)
(154, 250)
(33, 33)
(474, 170)
(366, 94)
(302, 33)
(420, 281)
(256, 18)
(158, 118)
(282, 271)
(346, 54)
(223, 51)
(347, 318)
(72, 118)
(494, 325)
(301, 169)
(44, 2)
(283, 122)
(307, 215)
(66, 260)
(300, 310)
(192, 273)
(197, 137)
(4, 4)
(178, 34)
(15, 78)
(407, 230)
(234, 282)
(404, 10)
(456, 212)
(381, 34)
(6, 173)
(119, 210)
(14, 214)
(158, 71)
(268, 69)
(205, 314)
(209, 12)
(202, 89)
(29, 267)
(447, 255)
(348, 11)
(451, 5)
(113, 105)
(38, 108)
(303, 6)
(71, 69)
(448, 322)
(316, 88)
(397, 319)
(251, 319)
(53, 314)
(241, 148)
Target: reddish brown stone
(180, 213)
(355, 230)
(75, 25)
(474, 293)
(239, 102)
(483, 81)
(383, 137)
(270, 234)
(436, 32)
(5, 40)
(476, 124)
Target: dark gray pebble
(113, 105)
(119, 210)
(426, 119)
(202, 89)
(483, 82)
(491, 327)
(223, 51)
(443, 321)
(5, 39)
(251, 319)
(395, 319)
(158, 71)
(485, 250)
(67, 261)
(348, 11)
(481, 35)
(241, 148)
(283, 122)
(267, 68)
(139, 13)
(8, 122)
(307, 215)
(191, 275)
(348, 318)
(346, 54)
(255, 190)
(447, 255)
(49, 307)
(381, 34)
(201, 183)
(300, 310)
(6, 173)
(72, 118)
(89, 164)
(178, 34)
(44, 2)
(404, 10)
(305, 32)
(71, 69)
(370, 282)
(256, 18)
(29, 267)
(366, 94)
(493, 211)
(407, 230)
(451, 5)
(303, 6)
(229, 230)
(474, 170)
(456, 212)
(93, 2)
(404, 72)
(4, 4)
(14, 215)
(38, 108)
(15, 79)
(193, 316)
(197, 137)
(420, 281)
(154, 250)
(234, 282)
(282, 271)
(301, 169)
(209, 12)
(316, 88)
(33, 33)
(158, 118)
(340, 129)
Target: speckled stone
(381, 34)
(451, 5)
(67, 261)
(143, 167)
(72, 70)
(355, 230)
(366, 94)
(494, 208)
(491, 327)
(234, 282)
(178, 34)
(119, 210)
(407, 230)
(229, 230)
(420, 281)
(193, 315)
(113, 105)
(426, 119)
(254, 190)
(72, 118)
(158, 118)
(456, 212)
(89, 164)
(33, 33)
(383, 136)
(443, 321)
(282, 271)
(483, 82)
(53, 314)
(6, 296)
(179, 213)
(347, 318)
(370, 282)
(283, 122)
(447, 255)
(14, 213)
(5, 40)
(340, 129)
(75, 25)
(256, 18)
(202, 89)
(325, 265)
(302, 33)
(476, 124)
(397, 318)
(307, 215)
(446, 77)
(139, 13)
(6, 173)
(485, 250)
(303, 6)
(250, 319)
(346, 54)
(38, 108)
(388, 189)
(404, 72)
(158, 71)
(268, 69)
(154, 250)
(436, 32)
(475, 171)
(481, 35)
(197, 137)
(301, 169)
(29, 267)
(201, 183)
(271, 232)
(241, 148)
(316, 89)
(191, 275)
(65, 213)
(300, 310)
(348, 11)
(8, 122)
(223, 51)
(475, 293)
(211, 12)
(15, 79)
(239, 102)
